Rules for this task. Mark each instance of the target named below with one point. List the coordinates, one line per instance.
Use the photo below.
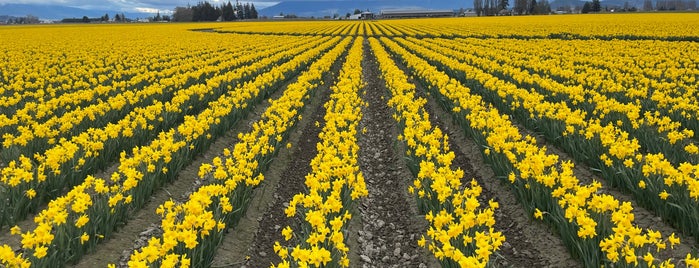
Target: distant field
(528, 141)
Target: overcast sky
(134, 5)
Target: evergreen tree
(239, 10)
(253, 11)
(196, 12)
(504, 4)
(227, 12)
(204, 11)
(596, 7)
(246, 10)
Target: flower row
(597, 228)
(334, 182)
(642, 26)
(670, 189)
(461, 232)
(92, 209)
(658, 113)
(68, 162)
(193, 229)
(64, 67)
(39, 125)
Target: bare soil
(280, 184)
(529, 243)
(146, 223)
(264, 220)
(541, 243)
(386, 225)
(390, 224)
(643, 217)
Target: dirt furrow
(146, 223)
(390, 224)
(261, 226)
(644, 218)
(234, 250)
(528, 243)
(28, 224)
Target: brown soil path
(265, 218)
(390, 224)
(146, 223)
(528, 243)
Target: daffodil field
(97, 119)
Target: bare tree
(647, 5)
(521, 7)
(542, 7)
(183, 14)
(531, 6)
(478, 7)
(494, 7)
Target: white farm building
(416, 13)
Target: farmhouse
(416, 13)
(366, 15)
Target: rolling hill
(56, 12)
(328, 8)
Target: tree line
(105, 18)
(593, 6)
(674, 5)
(522, 7)
(205, 11)
(29, 19)
(661, 5)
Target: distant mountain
(328, 8)
(306, 8)
(565, 4)
(341, 7)
(55, 12)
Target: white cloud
(147, 10)
(145, 6)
